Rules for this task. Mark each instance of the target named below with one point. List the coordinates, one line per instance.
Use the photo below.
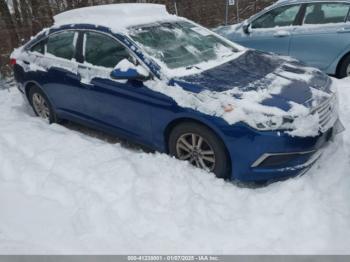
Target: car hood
(282, 80)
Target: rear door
(62, 83)
(272, 31)
(324, 35)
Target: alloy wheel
(40, 106)
(195, 149)
(348, 70)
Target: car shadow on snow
(108, 138)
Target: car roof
(117, 17)
(289, 2)
(283, 2)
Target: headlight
(275, 123)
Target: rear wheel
(198, 145)
(41, 105)
(344, 68)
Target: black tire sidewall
(223, 165)
(36, 90)
(343, 67)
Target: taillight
(12, 61)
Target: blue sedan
(316, 32)
(137, 72)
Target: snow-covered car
(165, 82)
(316, 32)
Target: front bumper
(263, 156)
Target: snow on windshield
(183, 48)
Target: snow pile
(64, 192)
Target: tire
(45, 112)
(344, 68)
(211, 147)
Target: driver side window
(101, 50)
(278, 17)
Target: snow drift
(64, 192)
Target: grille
(327, 113)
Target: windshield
(181, 44)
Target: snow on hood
(117, 17)
(265, 91)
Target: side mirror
(247, 29)
(126, 70)
(129, 74)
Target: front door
(272, 31)
(117, 104)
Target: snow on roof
(118, 17)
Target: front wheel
(41, 105)
(198, 145)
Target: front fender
(165, 122)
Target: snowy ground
(62, 191)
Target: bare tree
(26, 18)
(9, 23)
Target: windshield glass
(181, 44)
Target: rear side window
(62, 45)
(39, 48)
(326, 13)
(280, 16)
(101, 50)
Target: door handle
(281, 34)
(82, 67)
(26, 62)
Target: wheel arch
(28, 85)
(181, 120)
(340, 62)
